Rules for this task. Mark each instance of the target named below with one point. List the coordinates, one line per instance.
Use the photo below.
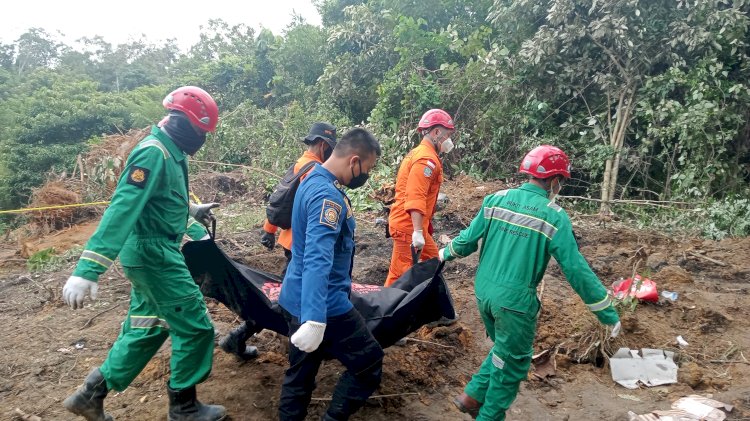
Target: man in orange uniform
(320, 143)
(417, 187)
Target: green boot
(88, 400)
(184, 406)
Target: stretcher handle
(415, 255)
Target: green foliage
(729, 217)
(669, 80)
(43, 260)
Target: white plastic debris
(682, 342)
(652, 367)
(690, 408)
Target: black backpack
(279, 209)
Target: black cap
(321, 130)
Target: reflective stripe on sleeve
(147, 322)
(521, 220)
(453, 252)
(156, 143)
(601, 305)
(96, 258)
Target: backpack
(279, 209)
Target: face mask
(359, 180)
(183, 134)
(552, 193)
(446, 146)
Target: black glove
(268, 239)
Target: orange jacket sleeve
(418, 186)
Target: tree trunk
(625, 106)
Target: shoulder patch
(330, 213)
(138, 176)
(427, 171)
(431, 164)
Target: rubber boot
(467, 405)
(184, 406)
(234, 343)
(88, 400)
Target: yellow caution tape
(74, 205)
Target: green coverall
(144, 225)
(520, 229)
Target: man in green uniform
(520, 229)
(144, 226)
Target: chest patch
(330, 213)
(138, 176)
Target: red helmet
(436, 117)
(545, 161)
(197, 104)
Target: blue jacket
(318, 280)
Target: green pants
(164, 302)
(497, 382)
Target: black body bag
(420, 296)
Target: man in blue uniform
(315, 293)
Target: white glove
(75, 291)
(309, 336)
(417, 239)
(441, 255)
(615, 330)
(202, 213)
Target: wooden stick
(720, 263)
(375, 396)
(26, 417)
(88, 322)
(728, 362)
(428, 342)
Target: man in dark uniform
(315, 293)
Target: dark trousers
(288, 255)
(346, 339)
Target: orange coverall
(417, 186)
(285, 236)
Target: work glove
(417, 239)
(309, 336)
(202, 213)
(615, 330)
(441, 255)
(75, 291)
(268, 240)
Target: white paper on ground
(652, 367)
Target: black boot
(234, 343)
(184, 406)
(88, 400)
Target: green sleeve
(580, 276)
(467, 241)
(195, 230)
(140, 178)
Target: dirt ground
(47, 349)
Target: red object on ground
(642, 288)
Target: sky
(118, 22)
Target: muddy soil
(47, 349)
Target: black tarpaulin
(418, 297)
